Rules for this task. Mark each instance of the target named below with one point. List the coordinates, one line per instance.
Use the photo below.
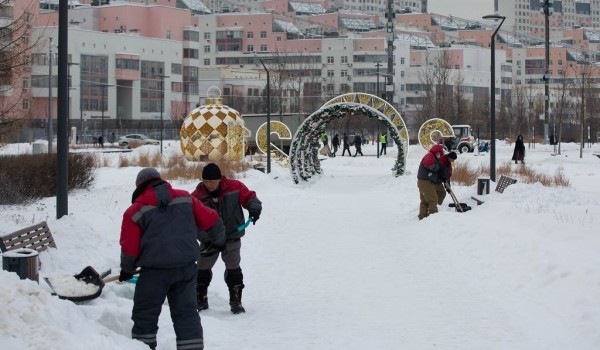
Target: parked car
(136, 140)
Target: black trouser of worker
(178, 285)
(231, 257)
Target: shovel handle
(111, 278)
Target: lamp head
(494, 17)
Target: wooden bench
(504, 182)
(37, 237)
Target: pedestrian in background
(519, 152)
(227, 197)
(383, 140)
(159, 235)
(335, 142)
(346, 144)
(324, 139)
(358, 145)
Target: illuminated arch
(381, 105)
(304, 160)
(432, 130)
(282, 131)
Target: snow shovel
(86, 285)
(209, 249)
(460, 207)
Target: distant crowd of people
(357, 141)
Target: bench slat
(36, 237)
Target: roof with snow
(284, 26)
(444, 23)
(510, 40)
(306, 8)
(358, 24)
(417, 41)
(593, 37)
(194, 5)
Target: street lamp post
(268, 113)
(378, 64)
(49, 127)
(162, 102)
(69, 64)
(493, 96)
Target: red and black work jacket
(232, 196)
(160, 229)
(429, 169)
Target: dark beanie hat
(452, 155)
(145, 175)
(211, 172)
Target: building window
(402, 87)
(330, 73)
(263, 48)
(25, 85)
(402, 74)
(250, 35)
(176, 68)
(207, 61)
(330, 59)
(168, 34)
(150, 86)
(402, 60)
(26, 104)
(206, 48)
(250, 48)
(263, 34)
(344, 59)
(94, 82)
(344, 73)
(191, 35)
(206, 36)
(190, 53)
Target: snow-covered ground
(342, 262)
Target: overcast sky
(468, 9)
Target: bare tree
(587, 97)
(15, 49)
(563, 103)
(437, 80)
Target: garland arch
(304, 160)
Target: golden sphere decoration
(431, 131)
(205, 132)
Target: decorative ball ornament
(205, 132)
(432, 130)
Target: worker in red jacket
(227, 197)
(159, 235)
(429, 181)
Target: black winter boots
(202, 296)
(235, 299)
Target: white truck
(463, 140)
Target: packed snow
(342, 262)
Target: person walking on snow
(159, 234)
(383, 140)
(227, 197)
(428, 179)
(335, 142)
(324, 139)
(358, 145)
(519, 152)
(346, 144)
